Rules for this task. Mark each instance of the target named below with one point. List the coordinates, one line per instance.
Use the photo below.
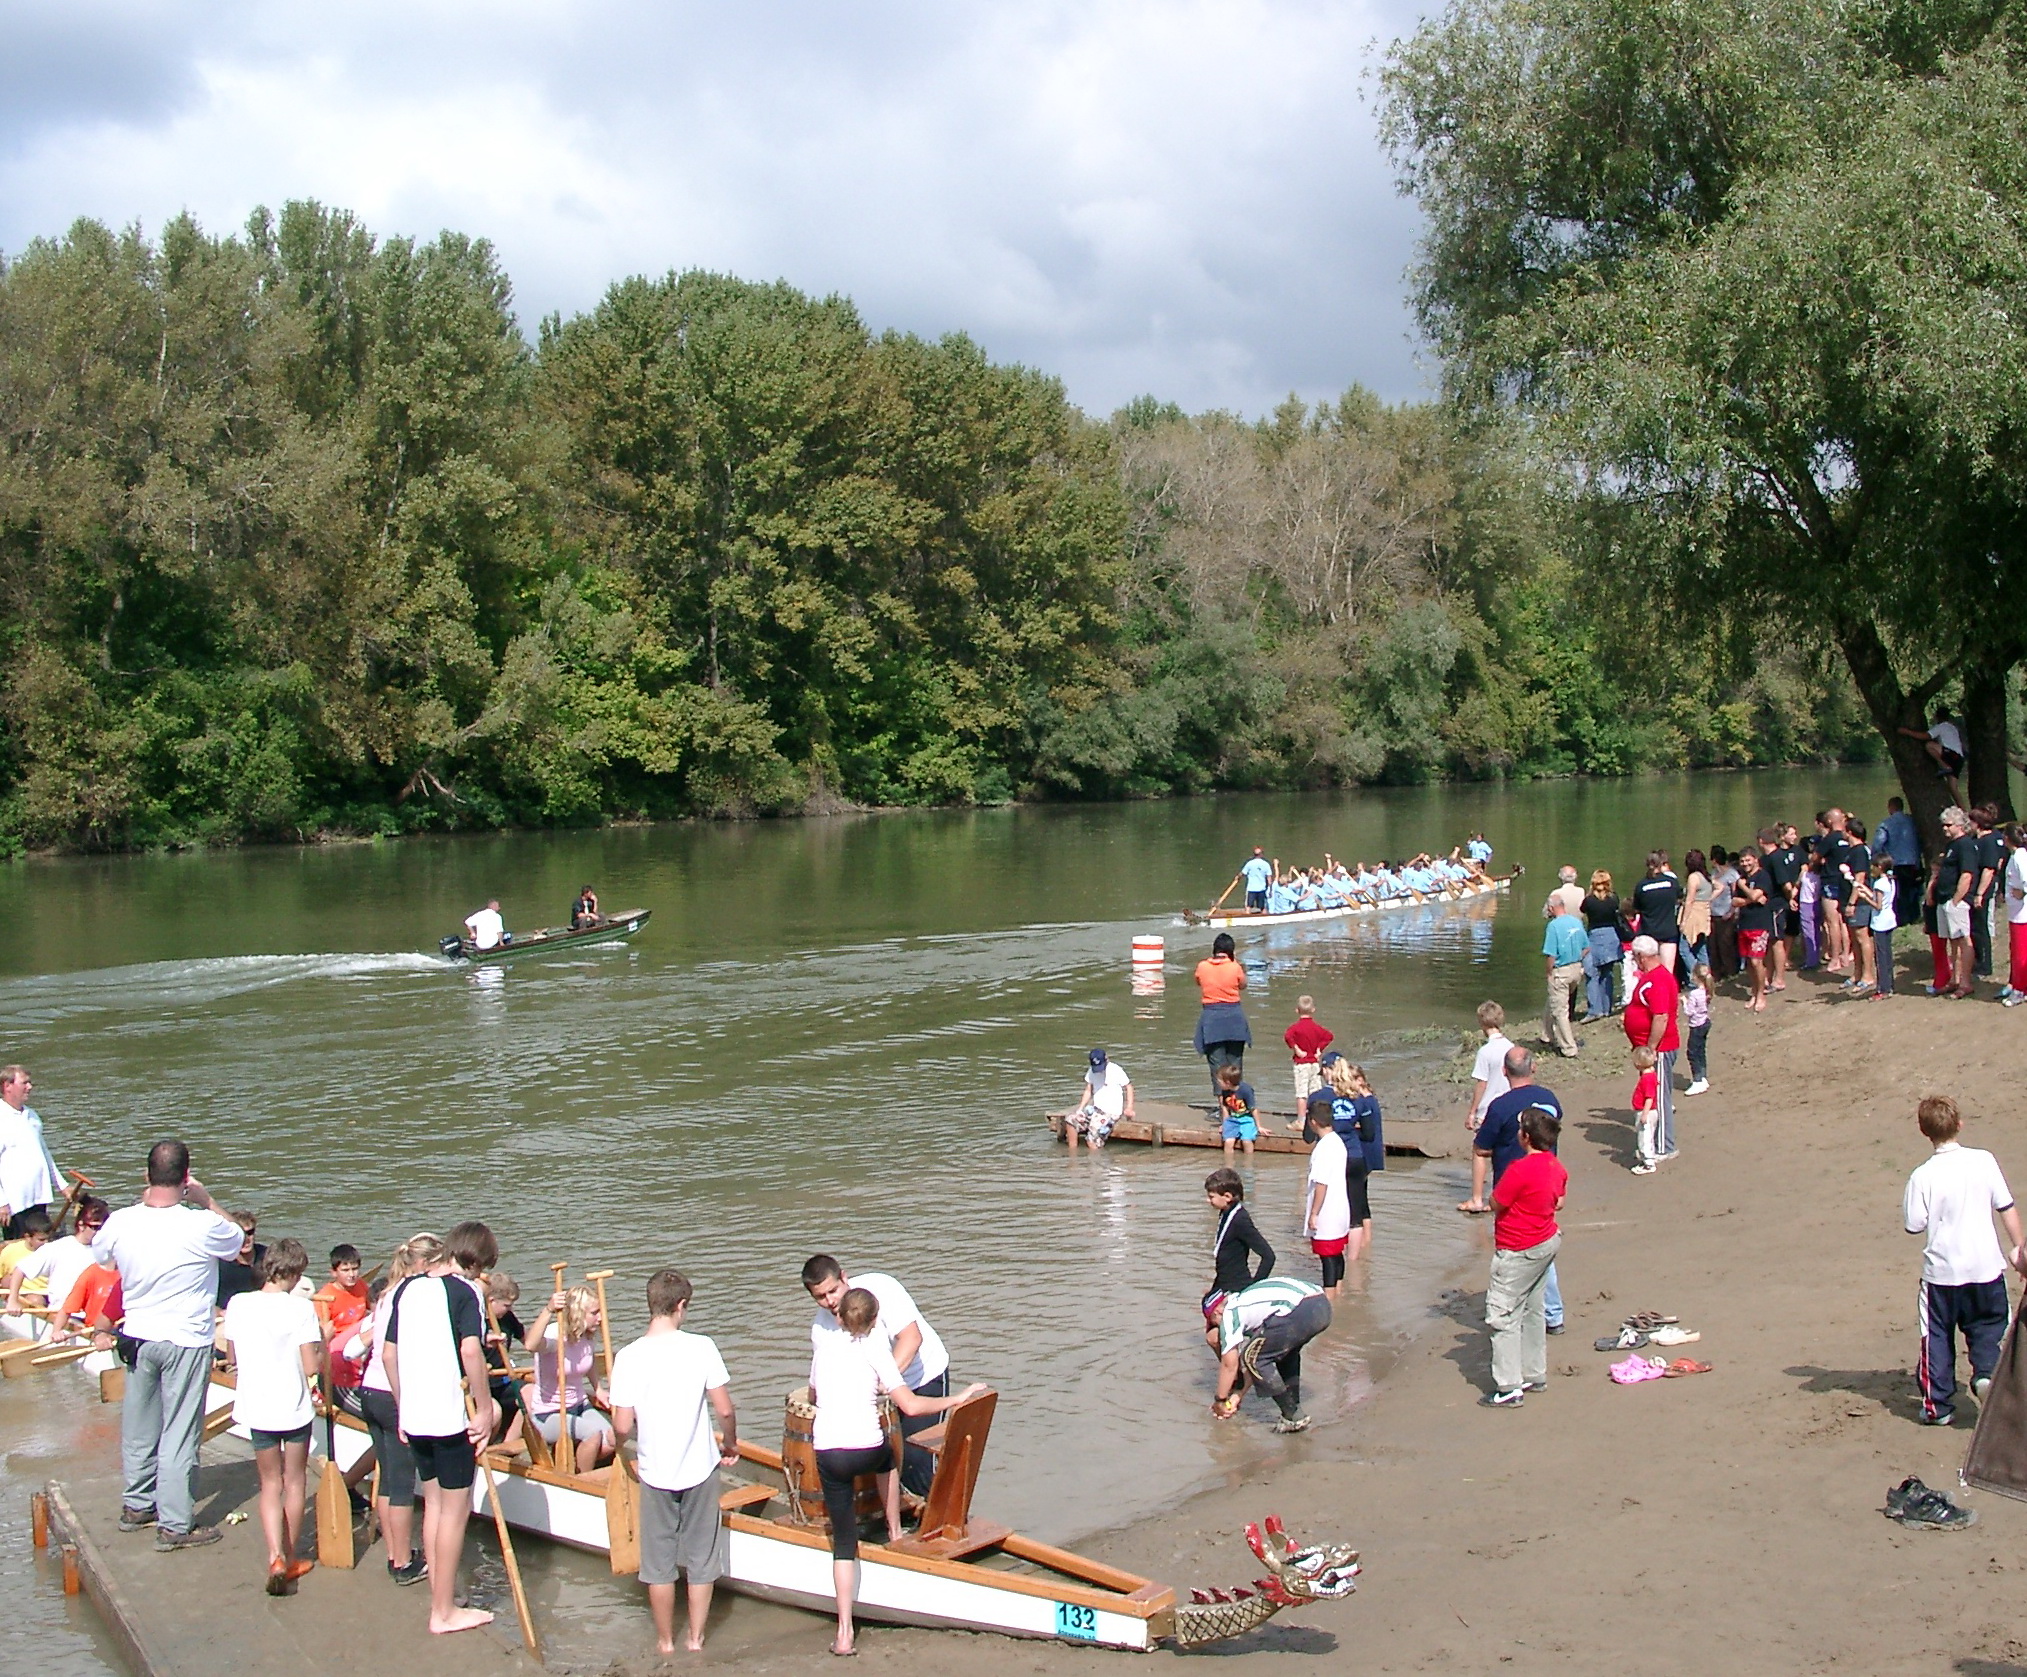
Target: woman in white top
(848, 1372)
(278, 1349)
(396, 1495)
(2015, 991)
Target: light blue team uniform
(1280, 899)
(1479, 851)
(1259, 873)
(1331, 892)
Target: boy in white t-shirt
(666, 1386)
(1326, 1202)
(1952, 1198)
(1488, 1081)
(278, 1348)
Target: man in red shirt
(1525, 1239)
(1651, 1007)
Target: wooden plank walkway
(1174, 1124)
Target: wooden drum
(798, 1461)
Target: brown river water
(836, 1035)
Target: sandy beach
(1729, 1521)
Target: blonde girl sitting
(562, 1392)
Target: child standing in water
(1306, 1041)
(1326, 1208)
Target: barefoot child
(1306, 1041)
(1646, 1109)
(1326, 1210)
(1237, 1122)
(279, 1350)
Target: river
(836, 1035)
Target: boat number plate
(1079, 1624)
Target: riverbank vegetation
(300, 534)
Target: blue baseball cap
(1097, 1059)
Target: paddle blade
(334, 1519)
(622, 1517)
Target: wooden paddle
(70, 1199)
(1229, 889)
(528, 1636)
(622, 1494)
(334, 1503)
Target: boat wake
(160, 986)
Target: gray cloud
(1141, 196)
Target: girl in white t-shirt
(2015, 991)
(278, 1349)
(1326, 1204)
(848, 1372)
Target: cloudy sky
(1138, 195)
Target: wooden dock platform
(1174, 1124)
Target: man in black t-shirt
(1657, 900)
(1991, 870)
(1832, 844)
(1756, 895)
(1956, 875)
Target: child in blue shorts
(1235, 1109)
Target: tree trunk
(1985, 736)
(1893, 707)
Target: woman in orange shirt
(1221, 1029)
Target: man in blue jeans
(167, 1250)
(1498, 1143)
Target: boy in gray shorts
(665, 1387)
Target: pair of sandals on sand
(1646, 1327)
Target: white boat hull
(1233, 920)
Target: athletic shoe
(1935, 1511)
(1292, 1423)
(1902, 1494)
(1672, 1153)
(1534, 1385)
(1555, 1327)
(1643, 1170)
(1700, 1086)
(1933, 989)
(1503, 1400)
(1941, 1419)
(136, 1519)
(195, 1538)
(414, 1572)
(2014, 1000)
(1981, 1386)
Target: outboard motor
(451, 948)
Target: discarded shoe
(1626, 1339)
(1933, 1511)
(1635, 1369)
(1648, 1320)
(1675, 1336)
(1686, 1365)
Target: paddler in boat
(1222, 1034)
(584, 912)
(850, 1367)
(485, 928)
(914, 1345)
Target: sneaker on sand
(1903, 1493)
(195, 1538)
(1700, 1086)
(1643, 1169)
(1672, 1335)
(136, 1519)
(2014, 1000)
(414, 1572)
(1555, 1327)
(1292, 1423)
(1941, 1419)
(1502, 1400)
(1981, 1386)
(1534, 1385)
(1936, 1512)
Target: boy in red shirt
(1651, 1007)
(1525, 1238)
(1306, 1040)
(1646, 1110)
(342, 1303)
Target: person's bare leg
(1477, 1200)
(295, 1497)
(273, 1521)
(845, 1580)
(890, 1498)
(698, 1599)
(398, 1526)
(444, 1514)
(1779, 949)
(662, 1608)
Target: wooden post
(72, 1582)
(38, 1518)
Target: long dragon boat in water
(1486, 885)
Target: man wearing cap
(1258, 874)
(1258, 1335)
(1651, 1007)
(1107, 1097)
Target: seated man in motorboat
(485, 928)
(584, 912)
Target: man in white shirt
(28, 1176)
(665, 1388)
(917, 1351)
(167, 1250)
(488, 930)
(57, 1265)
(1567, 892)
(1952, 1198)
(1106, 1098)
(1488, 1083)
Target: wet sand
(1725, 1522)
